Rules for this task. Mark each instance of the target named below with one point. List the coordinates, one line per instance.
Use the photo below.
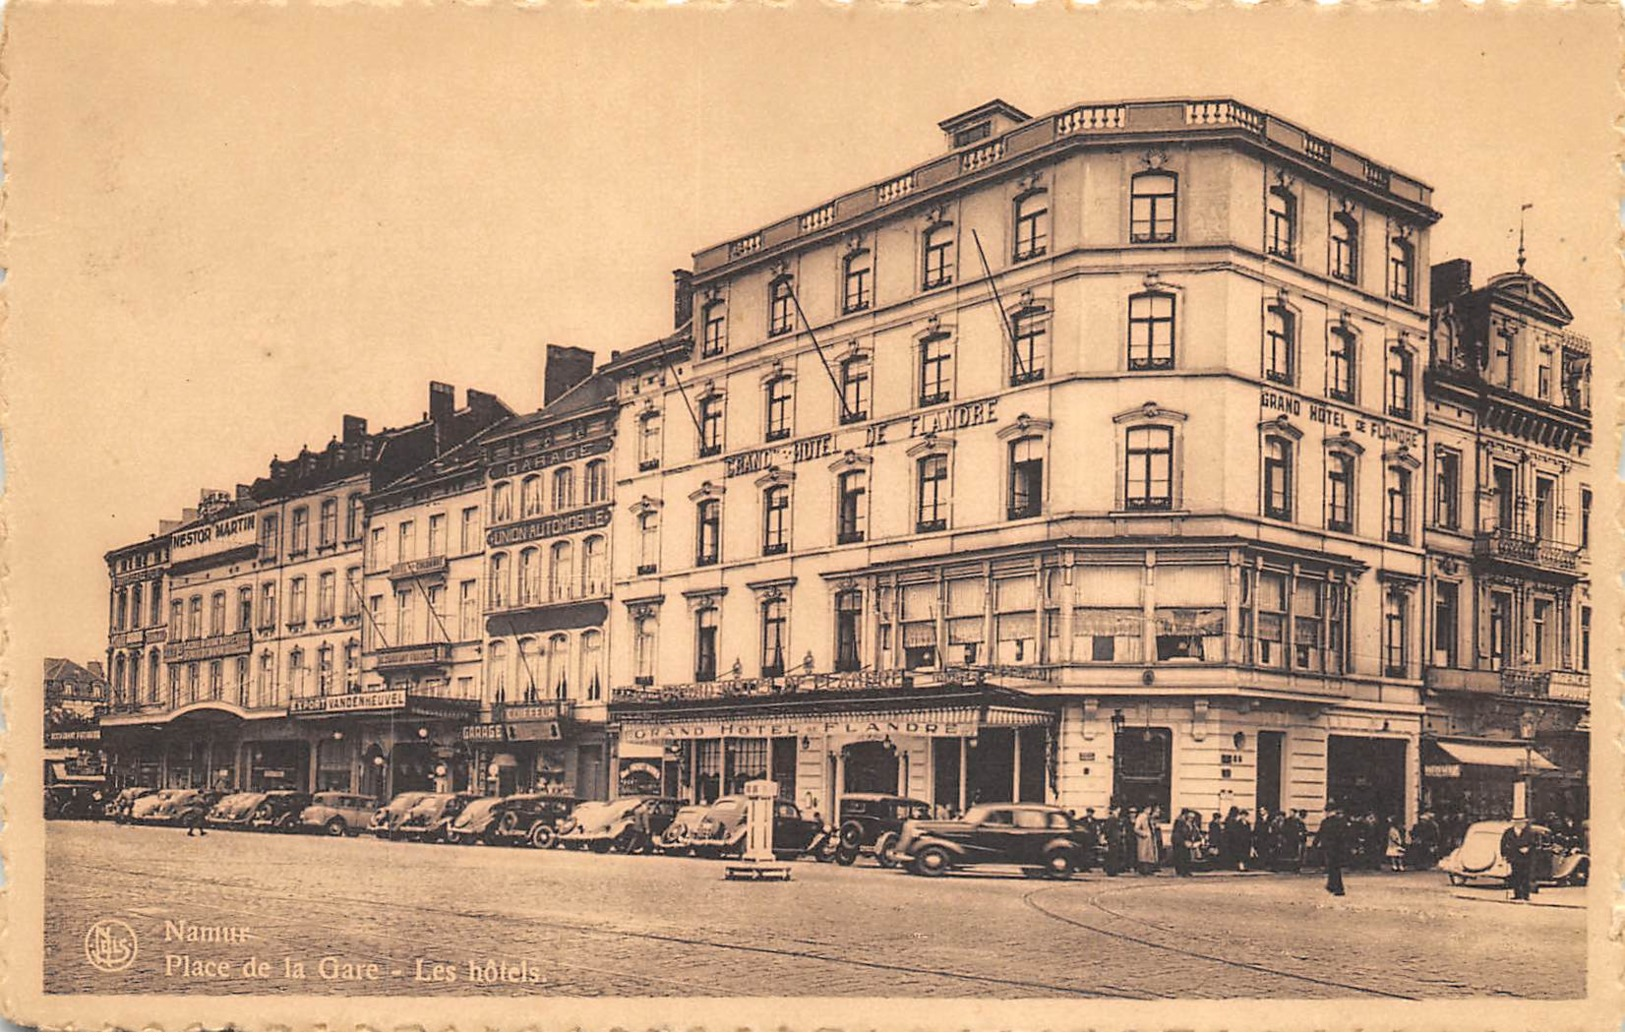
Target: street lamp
(1526, 730)
(1118, 720)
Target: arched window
(714, 328)
(1151, 331)
(1341, 364)
(780, 316)
(530, 496)
(776, 519)
(530, 576)
(558, 665)
(649, 441)
(1280, 344)
(938, 250)
(592, 664)
(1345, 247)
(1148, 468)
(1026, 498)
(496, 671)
(596, 490)
(1032, 225)
(1153, 207)
(564, 489)
(502, 502)
(498, 580)
(1281, 223)
(532, 672)
(1340, 492)
(594, 573)
(857, 278)
(562, 569)
(1277, 481)
(1401, 270)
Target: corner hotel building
(1080, 463)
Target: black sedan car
(430, 820)
(1039, 839)
(533, 820)
(279, 811)
(236, 811)
(871, 823)
(722, 831)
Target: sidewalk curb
(1508, 902)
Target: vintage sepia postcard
(872, 515)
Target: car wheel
(602, 845)
(883, 849)
(1059, 865)
(288, 824)
(851, 835)
(932, 862)
(542, 837)
(336, 827)
(1581, 875)
(846, 857)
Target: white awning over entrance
(1515, 757)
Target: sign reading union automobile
(549, 526)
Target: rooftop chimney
(442, 402)
(682, 301)
(95, 668)
(1450, 280)
(355, 428)
(564, 369)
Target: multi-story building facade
(1079, 463)
(262, 620)
(75, 698)
(1509, 539)
(487, 576)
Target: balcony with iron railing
(1113, 121)
(1509, 546)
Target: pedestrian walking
(1116, 844)
(1294, 833)
(1146, 848)
(192, 817)
(1396, 847)
(1333, 842)
(1186, 834)
(1518, 849)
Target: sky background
(230, 225)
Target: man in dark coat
(1116, 845)
(1518, 844)
(1293, 833)
(1185, 835)
(1089, 838)
(1333, 840)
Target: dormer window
(972, 133)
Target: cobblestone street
(429, 919)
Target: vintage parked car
(75, 802)
(534, 820)
(628, 825)
(1039, 839)
(337, 813)
(1479, 858)
(388, 818)
(871, 823)
(124, 802)
(280, 811)
(172, 807)
(477, 822)
(430, 820)
(235, 810)
(677, 839)
(721, 832)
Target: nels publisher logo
(110, 945)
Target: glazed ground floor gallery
(954, 745)
(370, 743)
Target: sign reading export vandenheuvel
(358, 702)
(549, 526)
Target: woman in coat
(1147, 832)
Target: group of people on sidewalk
(1137, 839)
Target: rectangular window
(1401, 270)
(245, 609)
(939, 257)
(1345, 247)
(1505, 498)
(355, 518)
(1340, 366)
(1108, 624)
(1585, 520)
(468, 610)
(919, 625)
(852, 511)
(269, 540)
(1545, 507)
(1151, 332)
(1446, 629)
(648, 543)
(936, 370)
(375, 550)
(1585, 638)
(855, 389)
(776, 520)
(708, 549)
(1500, 629)
(1396, 659)
(1032, 226)
(705, 645)
(1280, 341)
(1541, 621)
(710, 426)
(437, 535)
(352, 593)
(1270, 645)
(1026, 478)
(649, 441)
(773, 638)
(931, 500)
(328, 534)
(403, 617)
(967, 615)
(1340, 492)
(1399, 383)
(1447, 488)
(1398, 514)
(1281, 219)
(858, 293)
(194, 618)
(1278, 479)
(715, 337)
(267, 605)
(301, 531)
(848, 631)
(1308, 624)
(1148, 468)
(1029, 333)
(1015, 620)
(1153, 208)
(326, 596)
(470, 540)
(781, 307)
(406, 541)
(296, 600)
(778, 409)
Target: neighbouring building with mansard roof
(1508, 535)
(1081, 462)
